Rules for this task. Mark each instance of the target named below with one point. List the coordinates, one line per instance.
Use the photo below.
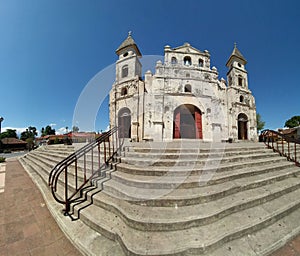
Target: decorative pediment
(187, 48)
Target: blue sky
(51, 49)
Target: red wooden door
(198, 123)
(177, 125)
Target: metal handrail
(109, 152)
(283, 144)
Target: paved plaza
(26, 226)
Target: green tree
(292, 122)
(259, 122)
(9, 133)
(47, 131)
(75, 129)
(29, 133)
(30, 143)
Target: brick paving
(28, 229)
(292, 248)
(26, 226)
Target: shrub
(2, 159)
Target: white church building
(183, 99)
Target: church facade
(183, 99)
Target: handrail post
(109, 146)
(76, 174)
(289, 153)
(84, 166)
(282, 145)
(104, 143)
(117, 141)
(67, 203)
(272, 140)
(92, 161)
(295, 147)
(99, 160)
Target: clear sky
(51, 49)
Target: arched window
(200, 63)
(187, 88)
(173, 61)
(124, 91)
(240, 81)
(125, 71)
(187, 75)
(187, 61)
(241, 98)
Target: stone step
(176, 147)
(264, 241)
(163, 209)
(57, 156)
(189, 180)
(193, 155)
(183, 217)
(43, 172)
(196, 169)
(194, 240)
(51, 161)
(191, 162)
(189, 196)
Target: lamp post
(1, 119)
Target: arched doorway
(242, 127)
(187, 122)
(124, 123)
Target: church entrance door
(242, 127)
(124, 123)
(187, 122)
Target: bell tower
(241, 103)
(128, 65)
(125, 102)
(237, 74)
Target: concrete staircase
(188, 198)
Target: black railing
(284, 144)
(70, 176)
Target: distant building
(71, 137)
(293, 133)
(184, 98)
(13, 144)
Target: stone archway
(187, 122)
(242, 127)
(124, 123)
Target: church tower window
(240, 81)
(187, 61)
(173, 61)
(125, 71)
(241, 98)
(200, 63)
(187, 88)
(124, 91)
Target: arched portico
(242, 127)
(124, 123)
(187, 122)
